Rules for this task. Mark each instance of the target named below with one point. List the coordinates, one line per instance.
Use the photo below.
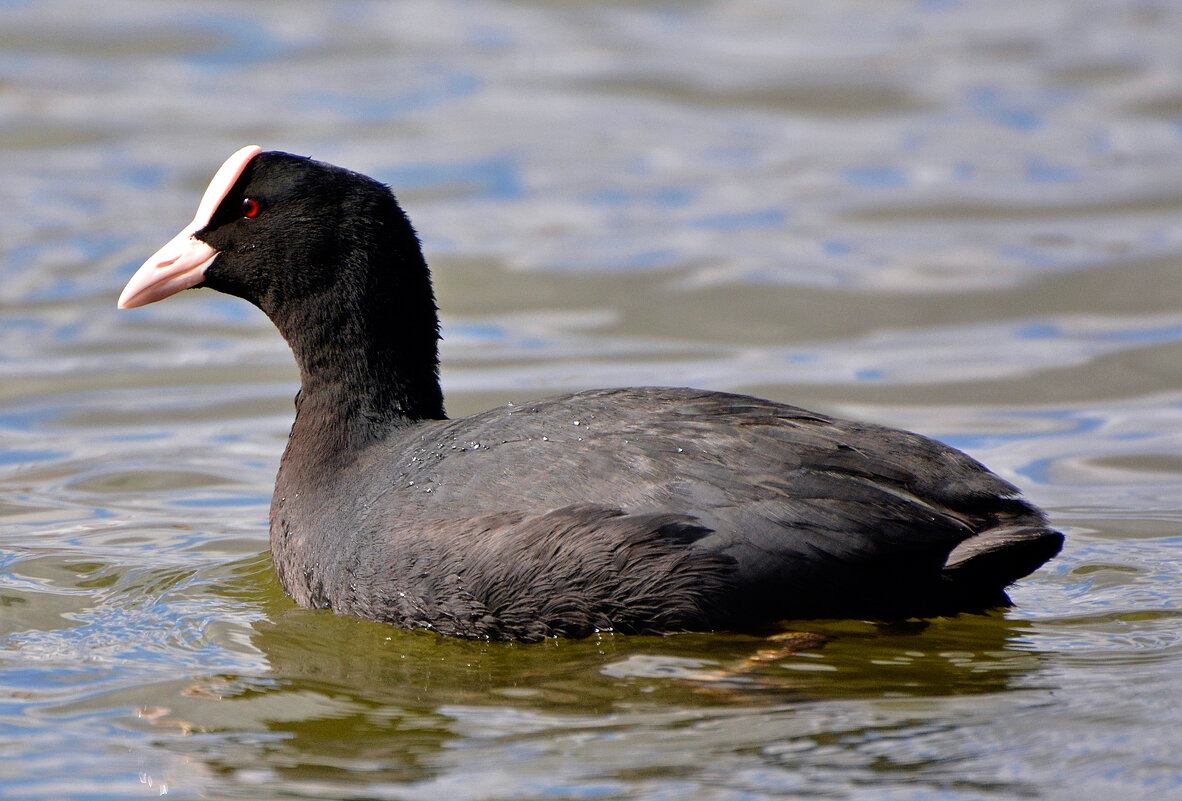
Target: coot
(646, 510)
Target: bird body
(646, 510)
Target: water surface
(960, 219)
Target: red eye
(250, 207)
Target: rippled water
(964, 219)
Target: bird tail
(984, 565)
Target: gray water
(960, 218)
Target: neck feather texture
(367, 342)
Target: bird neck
(367, 348)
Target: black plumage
(637, 510)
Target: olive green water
(960, 218)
